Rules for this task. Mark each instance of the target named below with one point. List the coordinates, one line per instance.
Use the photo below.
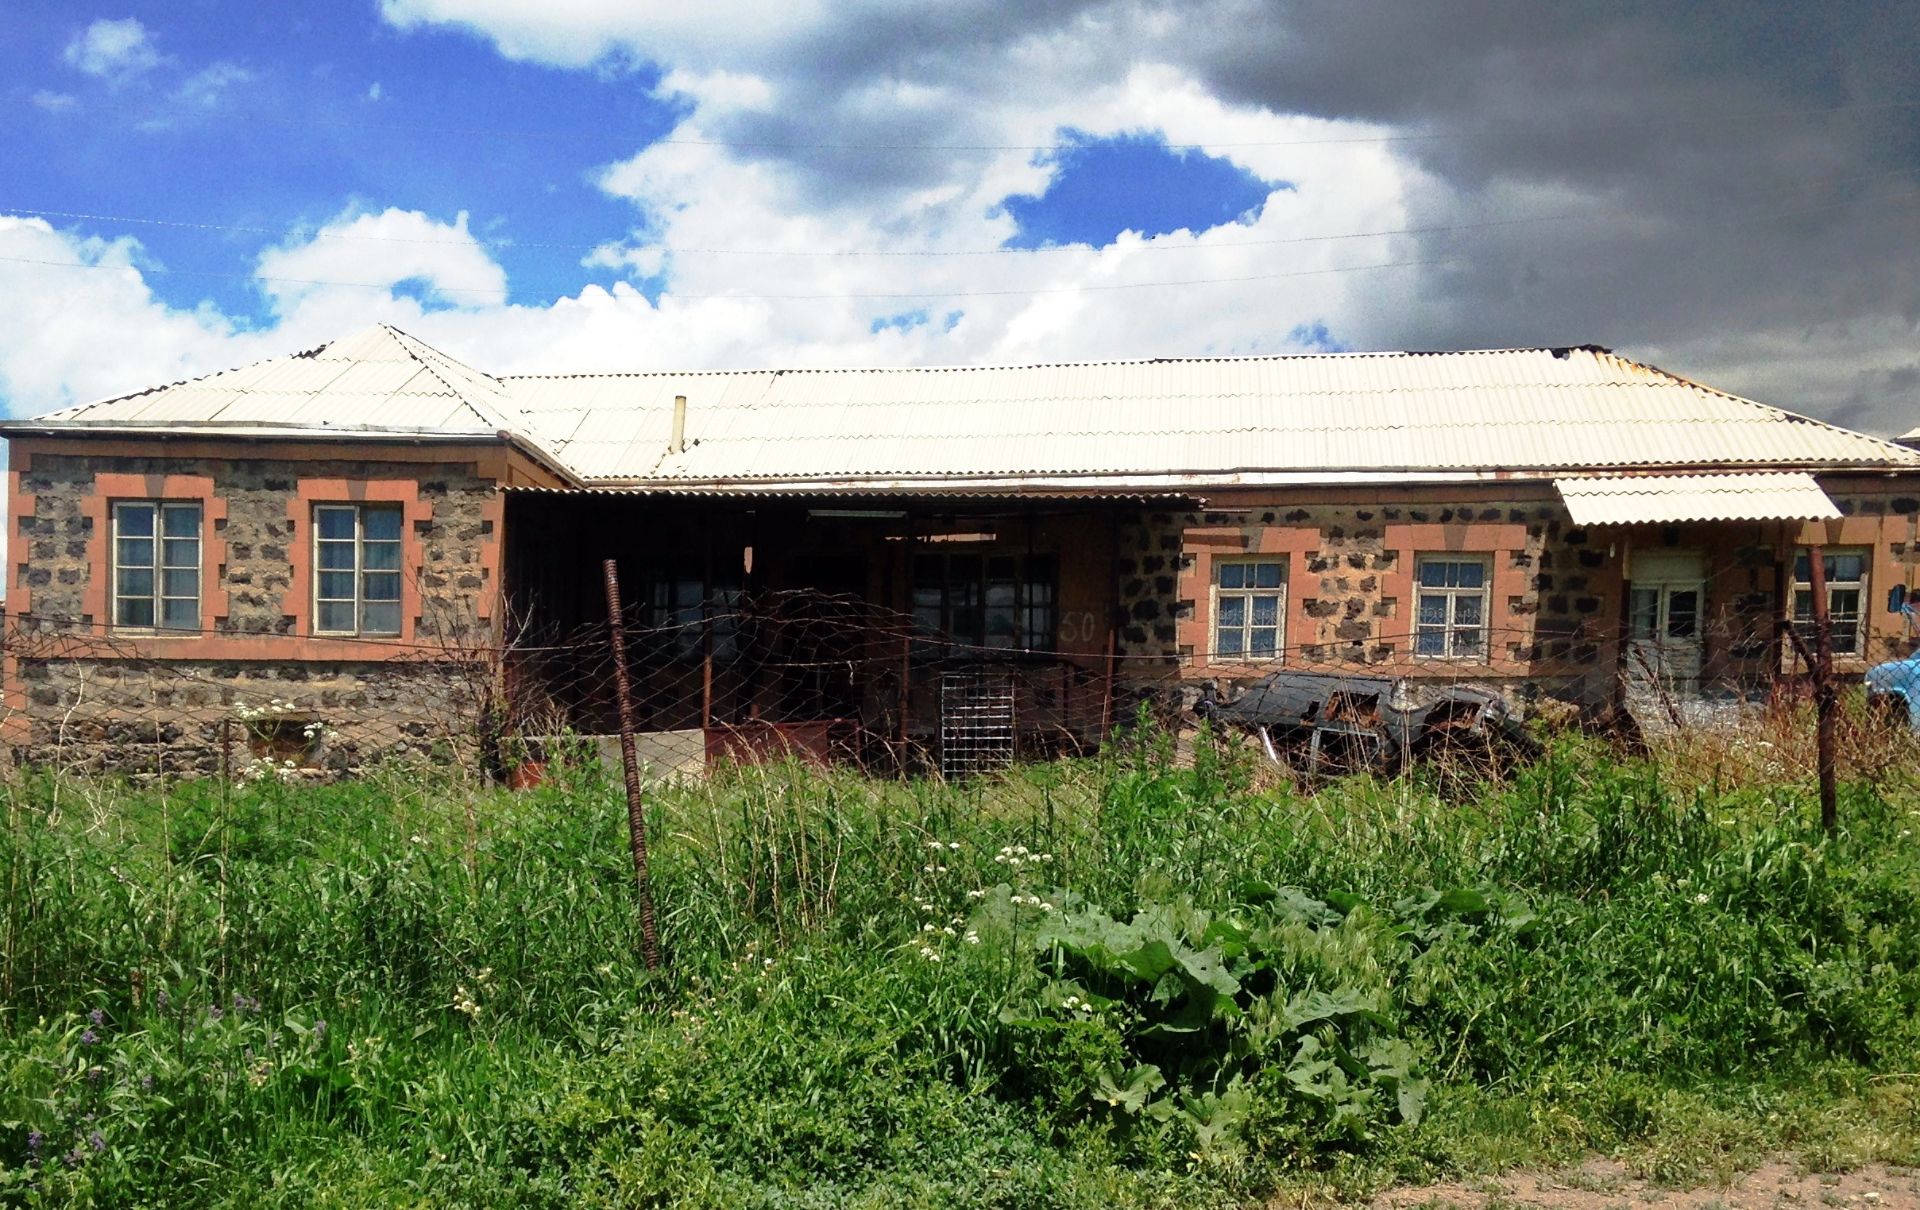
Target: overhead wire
(886, 295)
(1664, 121)
(322, 233)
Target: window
(1846, 572)
(1450, 621)
(1249, 599)
(357, 553)
(156, 565)
(677, 610)
(1003, 602)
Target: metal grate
(976, 723)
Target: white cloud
(374, 91)
(114, 50)
(207, 87)
(53, 102)
(375, 252)
(783, 104)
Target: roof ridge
(1558, 351)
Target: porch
(894, 632)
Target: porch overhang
(1670, 499)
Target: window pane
(1434, 573)
(180, 552)
(336, 586)
(1263, 641)
(1266, 575)
(1803, 604)
(135, 520)
(1233, 611)
(1846, 638)
(136, 552)
(1683, 614)
(385, 556)
(135, 582)
(336, 556)
(335, 616)
(1266, 611)
(1233, 575)
(967, 624)
(180, 583)
(1470, 573)
(1643, 613)
(381, 617)
(1801, 567)
(1433, 608)
(1846, 568)
(1229, 642)
(134, 611)
(182, 615)
(336, 523)
(1466, 610)
(182, 520)
(1430, 642)
(1466, 642)
(382, 524)
(385, 586)
(1000, 594)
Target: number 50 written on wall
(1077, 628)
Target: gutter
(11, 429)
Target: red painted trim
(110, 487)
(415, 512)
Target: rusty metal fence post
(630, 766)
(1826, 702)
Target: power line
(575, 132)
(909, 253)
(894, 295)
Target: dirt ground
(1604, 1185)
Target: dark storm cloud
(1753, 175)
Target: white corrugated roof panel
(1201, 421)
(378, 380)
(1668, 499)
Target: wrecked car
(1319, 724)
(1893, 688)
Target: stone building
(369, 548)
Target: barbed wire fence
(746, 678)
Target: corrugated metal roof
(1174, 424)
(380, 379)
(1523, 409)
(1659, 499)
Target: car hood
(1901, 676)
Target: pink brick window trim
(111, 487)
(415, 513)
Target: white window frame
(1216, 649)
(1451, 628)
(359, 570)
(1858, 615)
(158, 566)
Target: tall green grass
(1114, 982)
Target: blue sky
(278, 119)
(606, 185)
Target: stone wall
(252, 718)
(1557, 599)
(255, 682)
